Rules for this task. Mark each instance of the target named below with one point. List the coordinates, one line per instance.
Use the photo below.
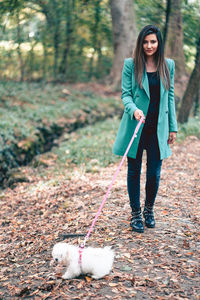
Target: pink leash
(81, 247)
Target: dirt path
(161, 263)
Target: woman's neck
(150, 65)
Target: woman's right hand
(138, 114)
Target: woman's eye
(151, 42)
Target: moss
(32, 116)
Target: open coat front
(133, 98)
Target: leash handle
(81, 247)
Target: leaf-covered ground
(161, 263)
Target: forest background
(60, 109)
(73, 41)
(49, 47)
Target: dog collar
(81, 247)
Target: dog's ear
(66, 259)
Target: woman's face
(150, 44)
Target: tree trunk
(94, 32)
(99, 66)
(197, 103)
(31, 61)
(124, 36)
(69, 10)
(44, 62)
(56, 37)
(168, 9)
(19, 41)
(52, 12)
(190, 93)
(174, 39)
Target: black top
(153, 110)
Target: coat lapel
(145, 83)
(162, 89)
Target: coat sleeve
(171, 104)
(127, 88)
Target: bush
(32, 115)
(192, 127)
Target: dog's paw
(66, 277)
(96, 277)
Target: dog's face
(60, 254)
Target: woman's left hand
(172, 137)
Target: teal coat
(133, 98)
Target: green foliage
(153, 12)
(150, 12)
(32, 115)
(191, 28)
(9, 6)
(72, 39)
(192, 127)
(191, 19)
(26, 105)
(90, 147)
(61, 40)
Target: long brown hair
(160, 62)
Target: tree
(192, 89)
(197, 102)
(124, 35)
(174, 37)
(167, 14)
(74, 40)
(95, 41)
(69, 6)
(19, 41)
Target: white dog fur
(95, 261)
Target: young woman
(147, 90)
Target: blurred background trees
(124, 35)
(84, 40)
(174, 38)
(56, 40)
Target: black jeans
(148, 141)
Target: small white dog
(95, 261)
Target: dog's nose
(56, 260)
